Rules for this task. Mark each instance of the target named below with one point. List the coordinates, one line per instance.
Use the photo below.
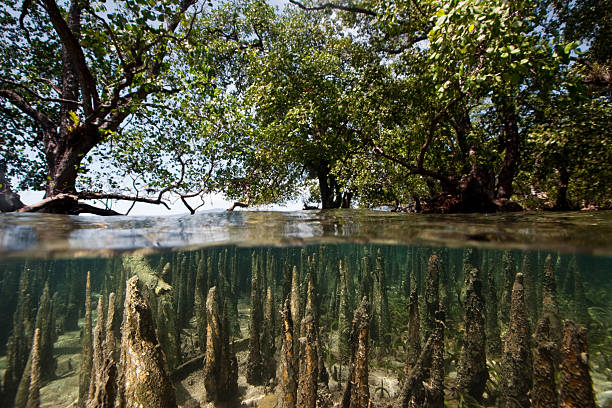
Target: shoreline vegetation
(421, 106)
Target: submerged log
(145, 378)
(472, 371)
(139, 266)
(576, 386)
(288, 384)
(544, 392)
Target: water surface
(483, 271)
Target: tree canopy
(446, 106)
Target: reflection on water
(295, 313)
(41, 235)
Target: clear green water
(44, 262)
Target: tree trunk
(510, 142)
(346, 199)
(561, 202)
(331, 195)
(64, 155)
(9, 200)
(327, 190)
(64, 150)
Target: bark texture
(34, 392)
(357, 391)
(413, 342)
(576, 387)
(434, 388)
(221, 367)
(104, 374)
(550, 306)
(432, 282)
(309, 369)
(423, 387)
(145, 378)
(544, 392)
(380, 304)
(268, 349)
(344, 325)
(531, 298)
(254, 364)
(9, 200)
(86, 346)
(493, 334)
(509, 274)
(517, 360)
(472, 371)
(288, 384)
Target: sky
(212, 202)
(278, 2)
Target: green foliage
(389, 105)
(575, 138)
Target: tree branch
(24, 106)
(170, 28)
(86, 80)
(332, 6)
(432, 129)
(51, 84)
(90, 195)
(36, 95)
(110, 32)
(242, 204)
(378, 151)
(66, 204)
(90, 209)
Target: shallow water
(345, 255)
